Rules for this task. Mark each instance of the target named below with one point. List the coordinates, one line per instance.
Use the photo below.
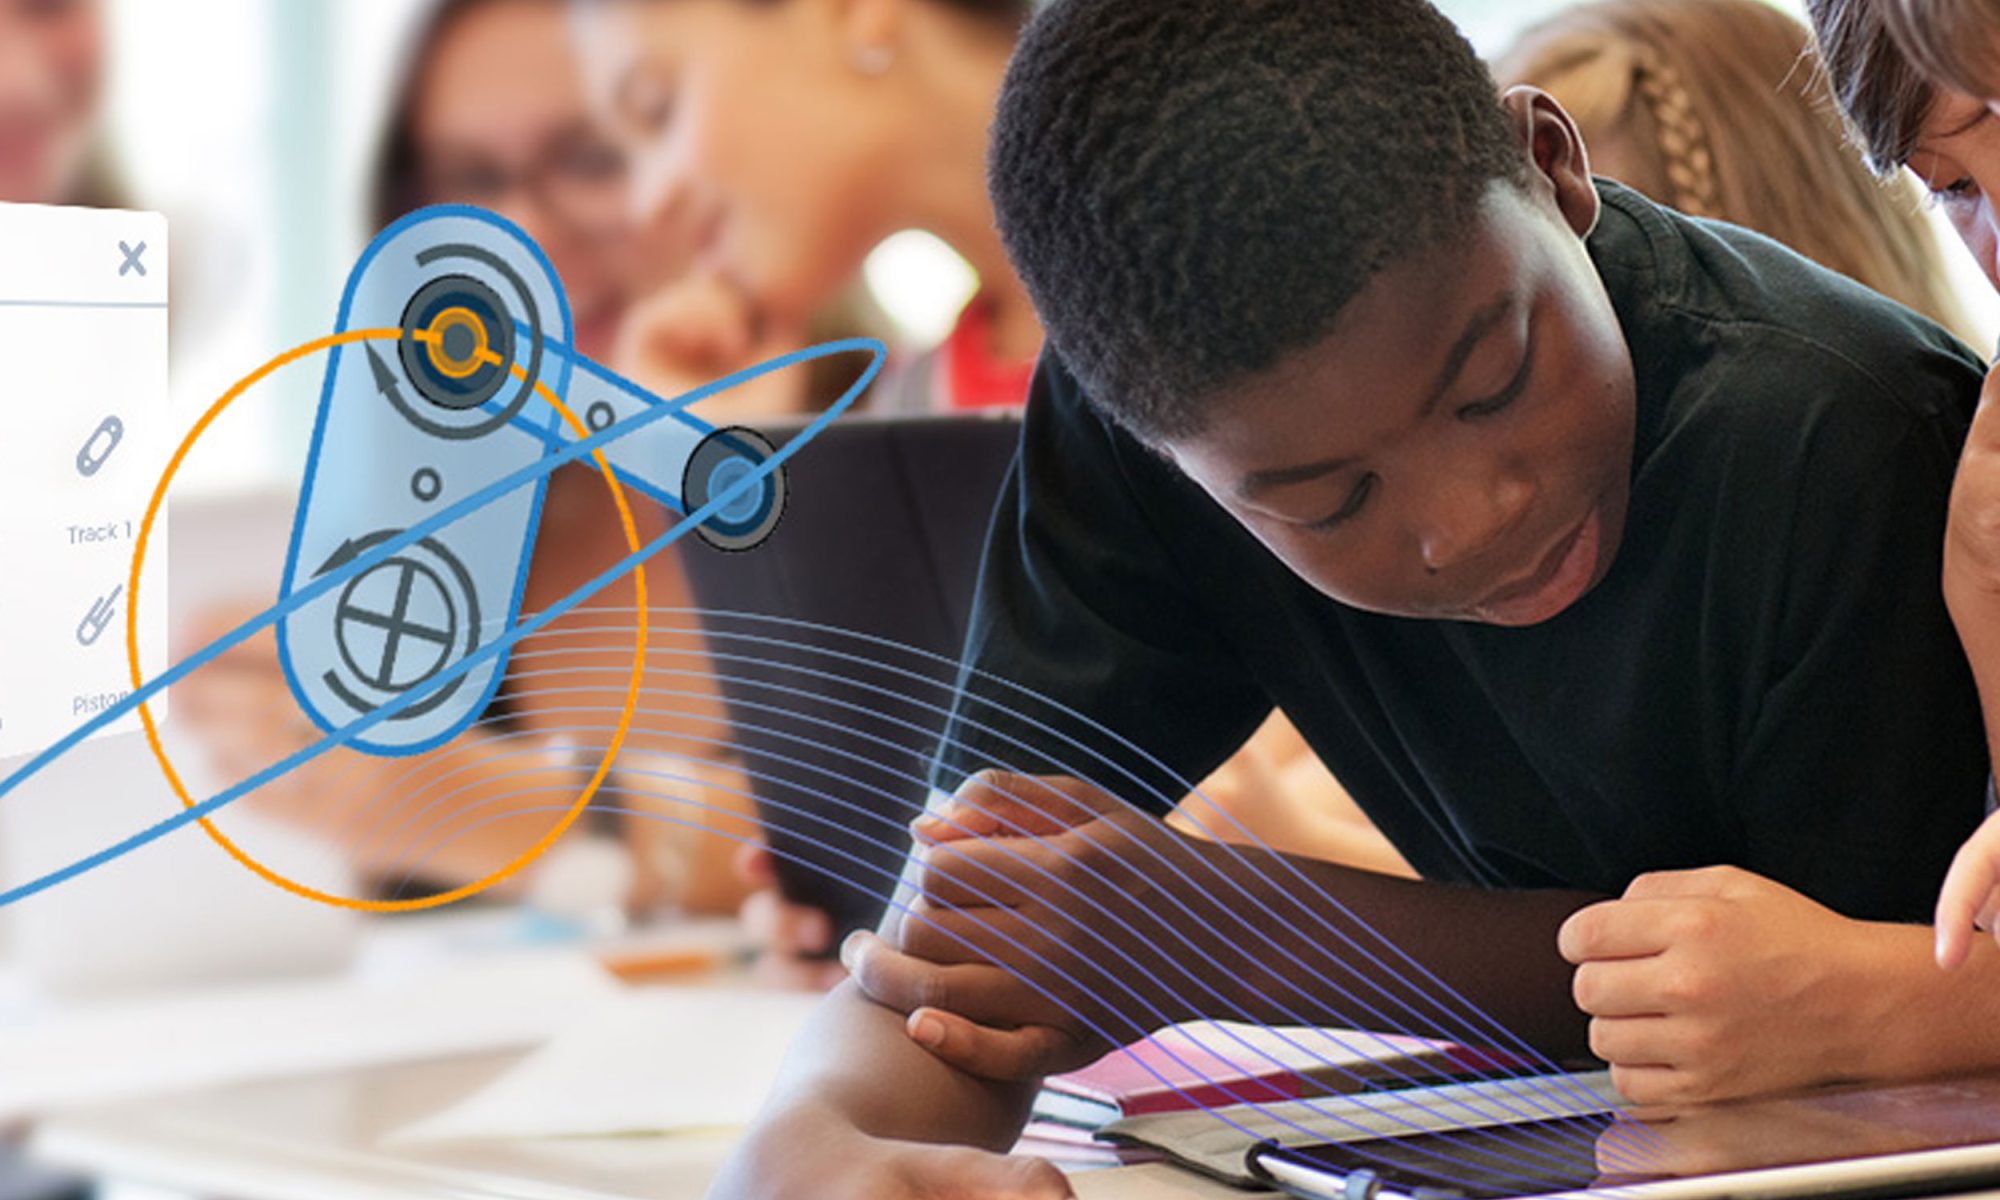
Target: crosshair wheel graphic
(401, 623)
(396, 625)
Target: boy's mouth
(1560, 578)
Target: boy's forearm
(1480, 964)
(853, 1074)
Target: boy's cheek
(1358, 572)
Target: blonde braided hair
(1686, 154)
(1705, 105)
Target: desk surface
(320, 1138)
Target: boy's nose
(1471, 519)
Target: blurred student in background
(796, 137)
(491, 112)
(1713, 107)
(1919, 81)
(51, 69)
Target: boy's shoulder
(1736, 336)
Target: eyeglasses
(581, 178)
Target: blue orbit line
(393, 546)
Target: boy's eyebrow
(1481, 324)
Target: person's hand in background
(1972, 538)
(698, 329)
(1970, 897)
(243, 717)
(793, 939)
(683, 818)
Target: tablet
(834, 643)
(1905, 1140)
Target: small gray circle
(426, 485)
(600, 417)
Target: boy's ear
(1558, 164)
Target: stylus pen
(1358, 1184)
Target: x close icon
(131, 262)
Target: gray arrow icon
(385, 377)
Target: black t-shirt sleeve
(1860, 765)
(1087, 655)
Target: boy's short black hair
(1192, 188)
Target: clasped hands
(1054, 922)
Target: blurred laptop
(881, 539)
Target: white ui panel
(83, 395)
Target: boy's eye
(1348, 511)
(1501, 399)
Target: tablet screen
(1648, 1146)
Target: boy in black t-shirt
(1594, 549)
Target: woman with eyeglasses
(490, 112)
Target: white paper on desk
(133, 1048)
(658, 1061)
